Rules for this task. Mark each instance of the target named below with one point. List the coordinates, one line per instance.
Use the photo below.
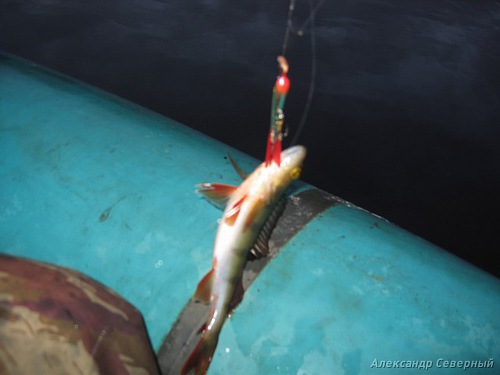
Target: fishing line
(289, 27)
(300, 31)
(310, 21)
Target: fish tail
(200, 358)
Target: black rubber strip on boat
(300, 209)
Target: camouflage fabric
(54, 320)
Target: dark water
(405, 120)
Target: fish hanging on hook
(248, 209)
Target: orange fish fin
(236, 167)
(204, 288)
(232, 213)
(217, 194)
(200, 358)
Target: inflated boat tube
(103, 186)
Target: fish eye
(295, 173)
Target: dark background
(405, 119)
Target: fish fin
(232, 214)
(204, 288)
(236, 167)
(200, 358)
(217, 194)
(260, 247)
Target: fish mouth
(294, 155)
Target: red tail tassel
(273, 151)
(277, 152)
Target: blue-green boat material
(95, 183)
(352, 289)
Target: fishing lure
(280, 91)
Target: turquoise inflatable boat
(99, 185)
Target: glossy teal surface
(352, 288)
(92, 182)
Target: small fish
(247, 209)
